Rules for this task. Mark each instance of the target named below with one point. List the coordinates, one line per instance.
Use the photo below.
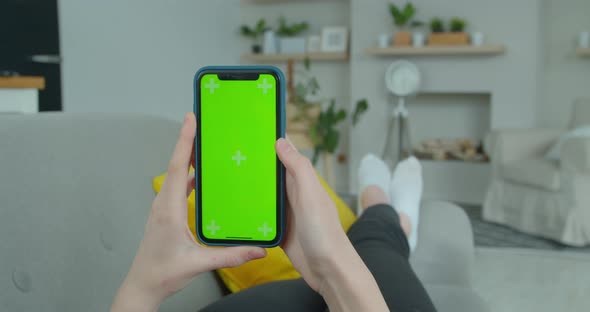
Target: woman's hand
(314, 236)
(317, 245)
(168, 257)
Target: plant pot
(418, 39)
(270, 42)
(448, 39)
(301, 125)
(292, 45)
(402, 38)
(384, 41)
(298, 131)
(256, 49)
(477, 39)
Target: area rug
(520, 280)
(489, 234)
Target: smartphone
(239, 180)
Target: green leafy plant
(437, 25)
(403, 17)
(254, 32)
(286, 30)
(458, 24)
(306, 86)
(323, 134)
(323, 130)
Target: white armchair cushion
(575, 155)
(538, 172)
(554, 152)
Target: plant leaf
(340, 116)
(409, 11)
(416, 24)
(361, 107)
(313, 85)
(332, 141)
(260, 25)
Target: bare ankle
(373, 195)
(404, 222)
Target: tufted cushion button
(22, 281)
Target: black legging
(380, 241)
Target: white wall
(509, 79)
(565, 76)
(141, 55)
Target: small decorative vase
(270, 42)
(477, 39)
(418, 39)
(384, 40)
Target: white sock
(406, 193)
(372, 171)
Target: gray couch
(75, 191)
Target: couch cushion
(74, 197)
(538, 172)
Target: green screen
(238, 159)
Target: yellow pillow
(276, 265)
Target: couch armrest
(505, 146)
(575, 155)
(445, 251)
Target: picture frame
(334, 39)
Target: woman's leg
(284, 296)
(380, 237)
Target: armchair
(540, 196)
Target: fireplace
(449, 126)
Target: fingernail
(186, 117)
(283, 145)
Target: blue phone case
(281, 174)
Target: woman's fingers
(175, 183)
(208, 259)
(296, 164)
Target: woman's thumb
(295, 163)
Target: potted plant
(289, 42)
(305, 117)
(437, 25)
(418, 37)
(456, 36)
(254, 33)
(402, 19)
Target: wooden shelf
(583, 52)
(437, 50)
(22, 82)
(275, 58)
